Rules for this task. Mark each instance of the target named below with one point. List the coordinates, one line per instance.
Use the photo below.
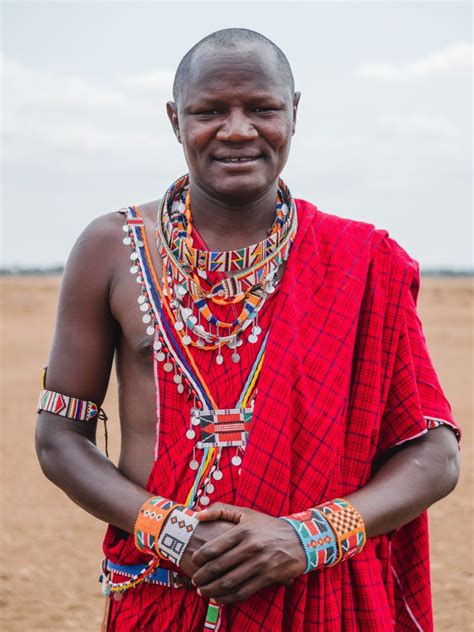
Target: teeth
(237, 159)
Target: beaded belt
(159, 576)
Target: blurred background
(384, 135)
(384, 131)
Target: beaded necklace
(253, 273)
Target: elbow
(452, 469)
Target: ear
(172, 112)
(296, 100)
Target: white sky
(384, 133)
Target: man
(288, 374)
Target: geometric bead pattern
(65, 406)
(329, 533)
(150, 522)
(224, 427)
(348, 526)
(316, 536)
(176, 534)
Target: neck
(227, 226)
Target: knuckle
(226, 584)
(213, 568)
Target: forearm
(421, 473)
(73, 463)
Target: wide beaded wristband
(164, 528)
(329, 533)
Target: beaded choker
(252, 273)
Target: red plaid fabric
(346, 377)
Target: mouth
(237, 160)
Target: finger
(228, 513)
(218, 546)
(231, 580)
(244, 591)
(216, 568)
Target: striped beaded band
(70, 407)
(329, 533)
(176, 534)
(150, 522)
(316, 536)
(348, 526)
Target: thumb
(221, 511)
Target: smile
(238, 160)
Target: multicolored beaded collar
(252, 273)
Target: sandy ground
(51, 548)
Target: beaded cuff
(176, 534)
(164, 528)
(329, 533)
(150, 522)
(70, 407)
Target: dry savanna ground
(51, 548)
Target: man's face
(235, 119)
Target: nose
(237, 127)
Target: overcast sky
(384, 133)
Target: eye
(264, 109)
(209, 113)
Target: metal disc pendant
(157, 345)
(186, 340)
(150, 330)
(134, 269)
(194, 464)
(125, 228)
(195, 421)
(257, 330)
(180, 388)
(146, 318)
(236, 460)
(204, 500)
(235, 358)
(253, 338)
(210, 488)
(217, 475)
(177, 379)
(127, 241)
(190, 434)
(220, 359)
(168, 367)
(144, 307)
(118, 595)
(160, 356)
(179, 325)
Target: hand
(259, 551)
(204, 532)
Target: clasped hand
(235, 551)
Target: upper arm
(85, 333)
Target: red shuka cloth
(346, 377)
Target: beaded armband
(329, 533)
(66, 406)
(70, 407)
(164, 528)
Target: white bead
(150, 330)
(146, 318)
(127, 241)
(125, 228)
(141, 299)
(144, 307)
(134, 270)
(134, 256)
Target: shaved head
(228, 39)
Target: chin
(242, 187)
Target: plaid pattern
(346, 377)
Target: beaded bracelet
(164, 528)
(329, 533)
